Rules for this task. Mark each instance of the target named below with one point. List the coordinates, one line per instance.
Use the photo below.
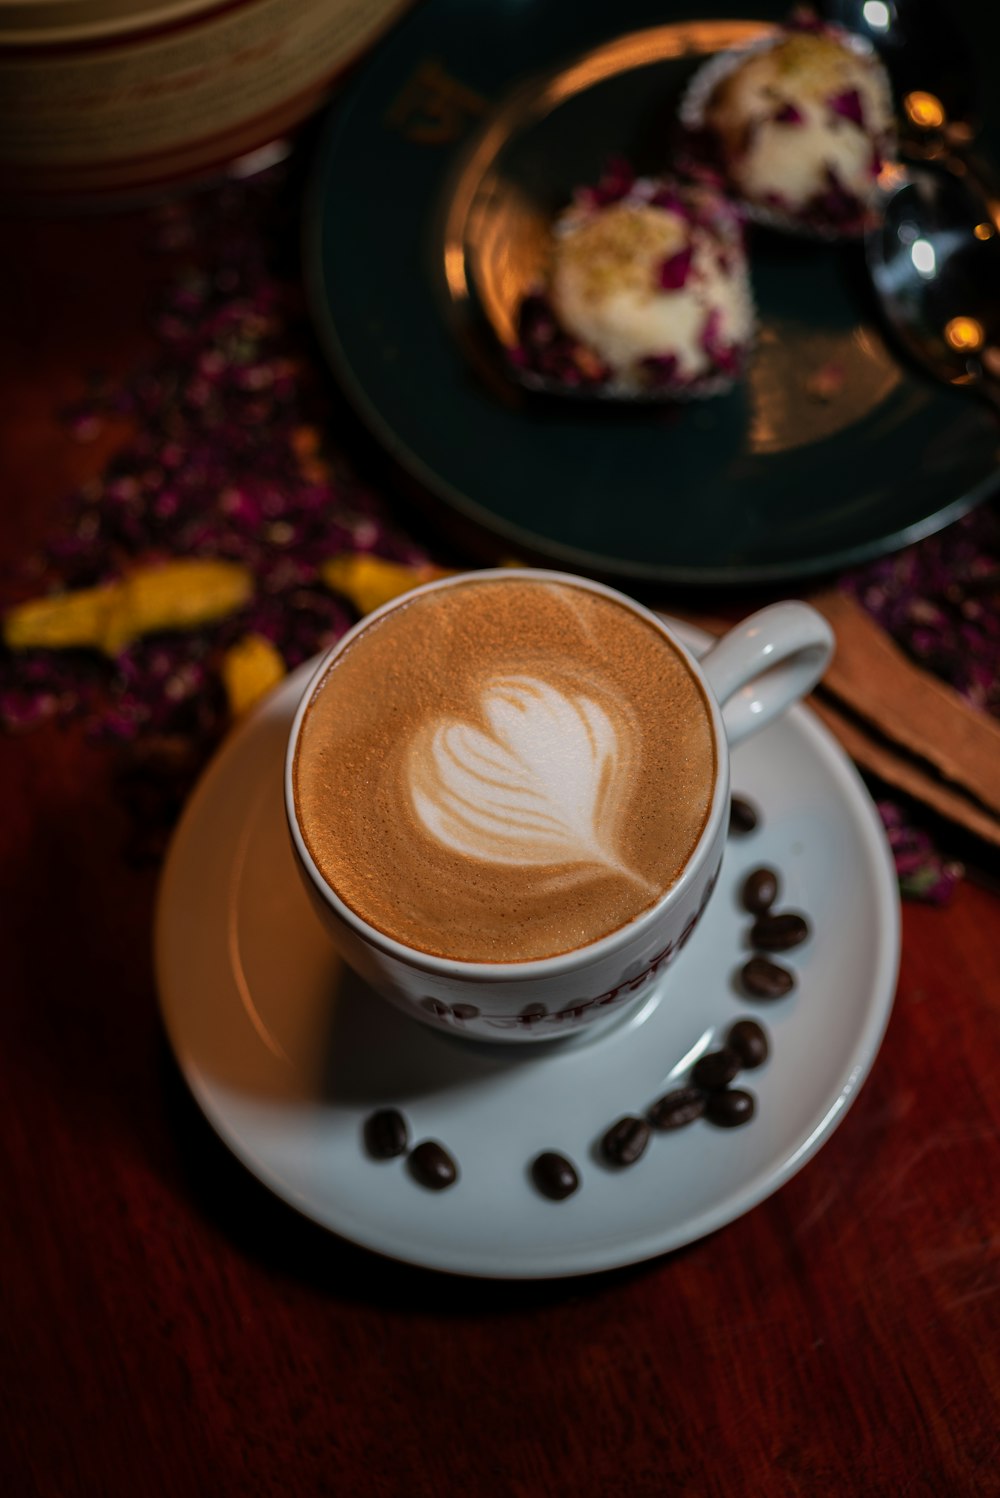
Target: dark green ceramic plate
(470, 126)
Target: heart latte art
(504, 769)
(544, 785)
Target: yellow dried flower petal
(369, 582)
(250, 668)
(179, 595)
(65, 621)
(176, 595)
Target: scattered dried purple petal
(836, 206)
(847, 106)
(675, 269)
(920, 597)
(615, 183)
(923, 873)
(547, 353)
(226, 461)
(726, 357)
(670, 201)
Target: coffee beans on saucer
(707, 1093)
(749, 1041)
(772, 931)
(760, 890)
(626, 1140)
(743, 815)
(764, 979)
(746, 1047)
(676, 1109)
(730, 1108)
(386, 1134)
(779, 931)
(554, 1175)
(715, 1069)
(431, 1164)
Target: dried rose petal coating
(675, 270)
(847, 106)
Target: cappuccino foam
(503, 770)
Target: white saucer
(287, 1052)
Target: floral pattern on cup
(535, 1015)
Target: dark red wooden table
(169, 1328)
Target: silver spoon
(934, 259)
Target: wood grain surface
(169, 1328)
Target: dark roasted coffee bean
(432, 1165)
(760, 890)
(625, 1140)
(743, 815)
(730, 1107)
(675, 1109)
(554, 1175)
(764, 979)
(777, 931)
(386, 1134)
(715, 1069)
(749, 1041)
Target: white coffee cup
(749, 677)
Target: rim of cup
(531, 967)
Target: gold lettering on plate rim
(434, 108)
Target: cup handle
(767, 663)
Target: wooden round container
(108, 98)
